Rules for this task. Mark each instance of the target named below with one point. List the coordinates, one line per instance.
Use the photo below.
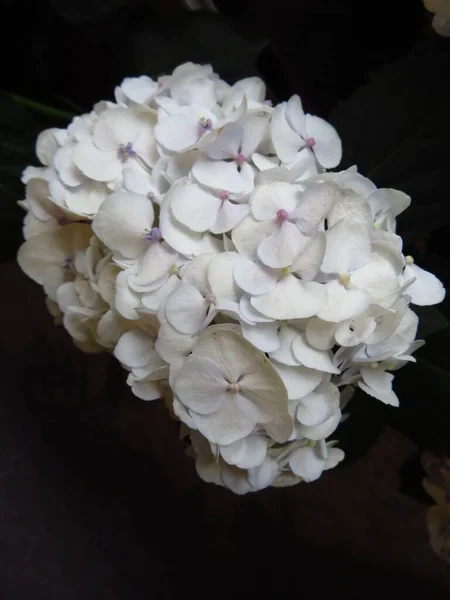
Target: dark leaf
(396, 130)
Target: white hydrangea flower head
(192, 229)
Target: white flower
(246, 453)
(278, 294)
(136, 351)
(252, 89)
(200, 210)
(292, 130)
(121, 137)
(240, 481)
(48, 258)
(426, 289)
(207, 286)
(137, 91)
(187, 242)
(283, 221)
(226, 166)
(377, 383)
(183, 127)
(191, 229)
(228, 388)
(124, 222)
(308, 462)
(316, 415)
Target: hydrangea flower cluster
(192, 229)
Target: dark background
(97, 499)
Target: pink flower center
(310, 142)
(224, 195)
(282, 214)
(240, 158)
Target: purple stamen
(204, 125)
(125, 152)
(282, 214)
(153, 235)
(310, 142)
(240, 158)
(68, 263)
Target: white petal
(286, 142)
(306, 463)
(97, 164)
(263, 336)
(177, 132)
(328, 146)
(255, 128)
(353, 209)
(295, 115)
(399, 342)
(221, 175)
(320, 334)
(234, 420)
(193, 207)
(229, 216)
(348, 248)
(256, 448)
(251, 88)
(263, 475)
(172, 345)
(46, 146)
(137, 182)
(321, 431)
(315, 203)
(248, 235)
(315, 408)
(186, 309)
(121, 223)
(134, 349)
(299, 381)
(378, 277)
(378, 383)
(281, 248)
(426, 289)
(155, 300)
(254, 278)
(234, 453)
(343, 304)
(85, 199)
(67, 170)
(139, 89)
(291, 299)
(180, 238)
(195, 89)
(116, 126)
(200, 386)
(311, 357)
(284, 354)
(227, 143)
(220, 276)
(126, 301)
(147, 390)
(352, 333)
(249, 314)
(308, 263)
(268, 199)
